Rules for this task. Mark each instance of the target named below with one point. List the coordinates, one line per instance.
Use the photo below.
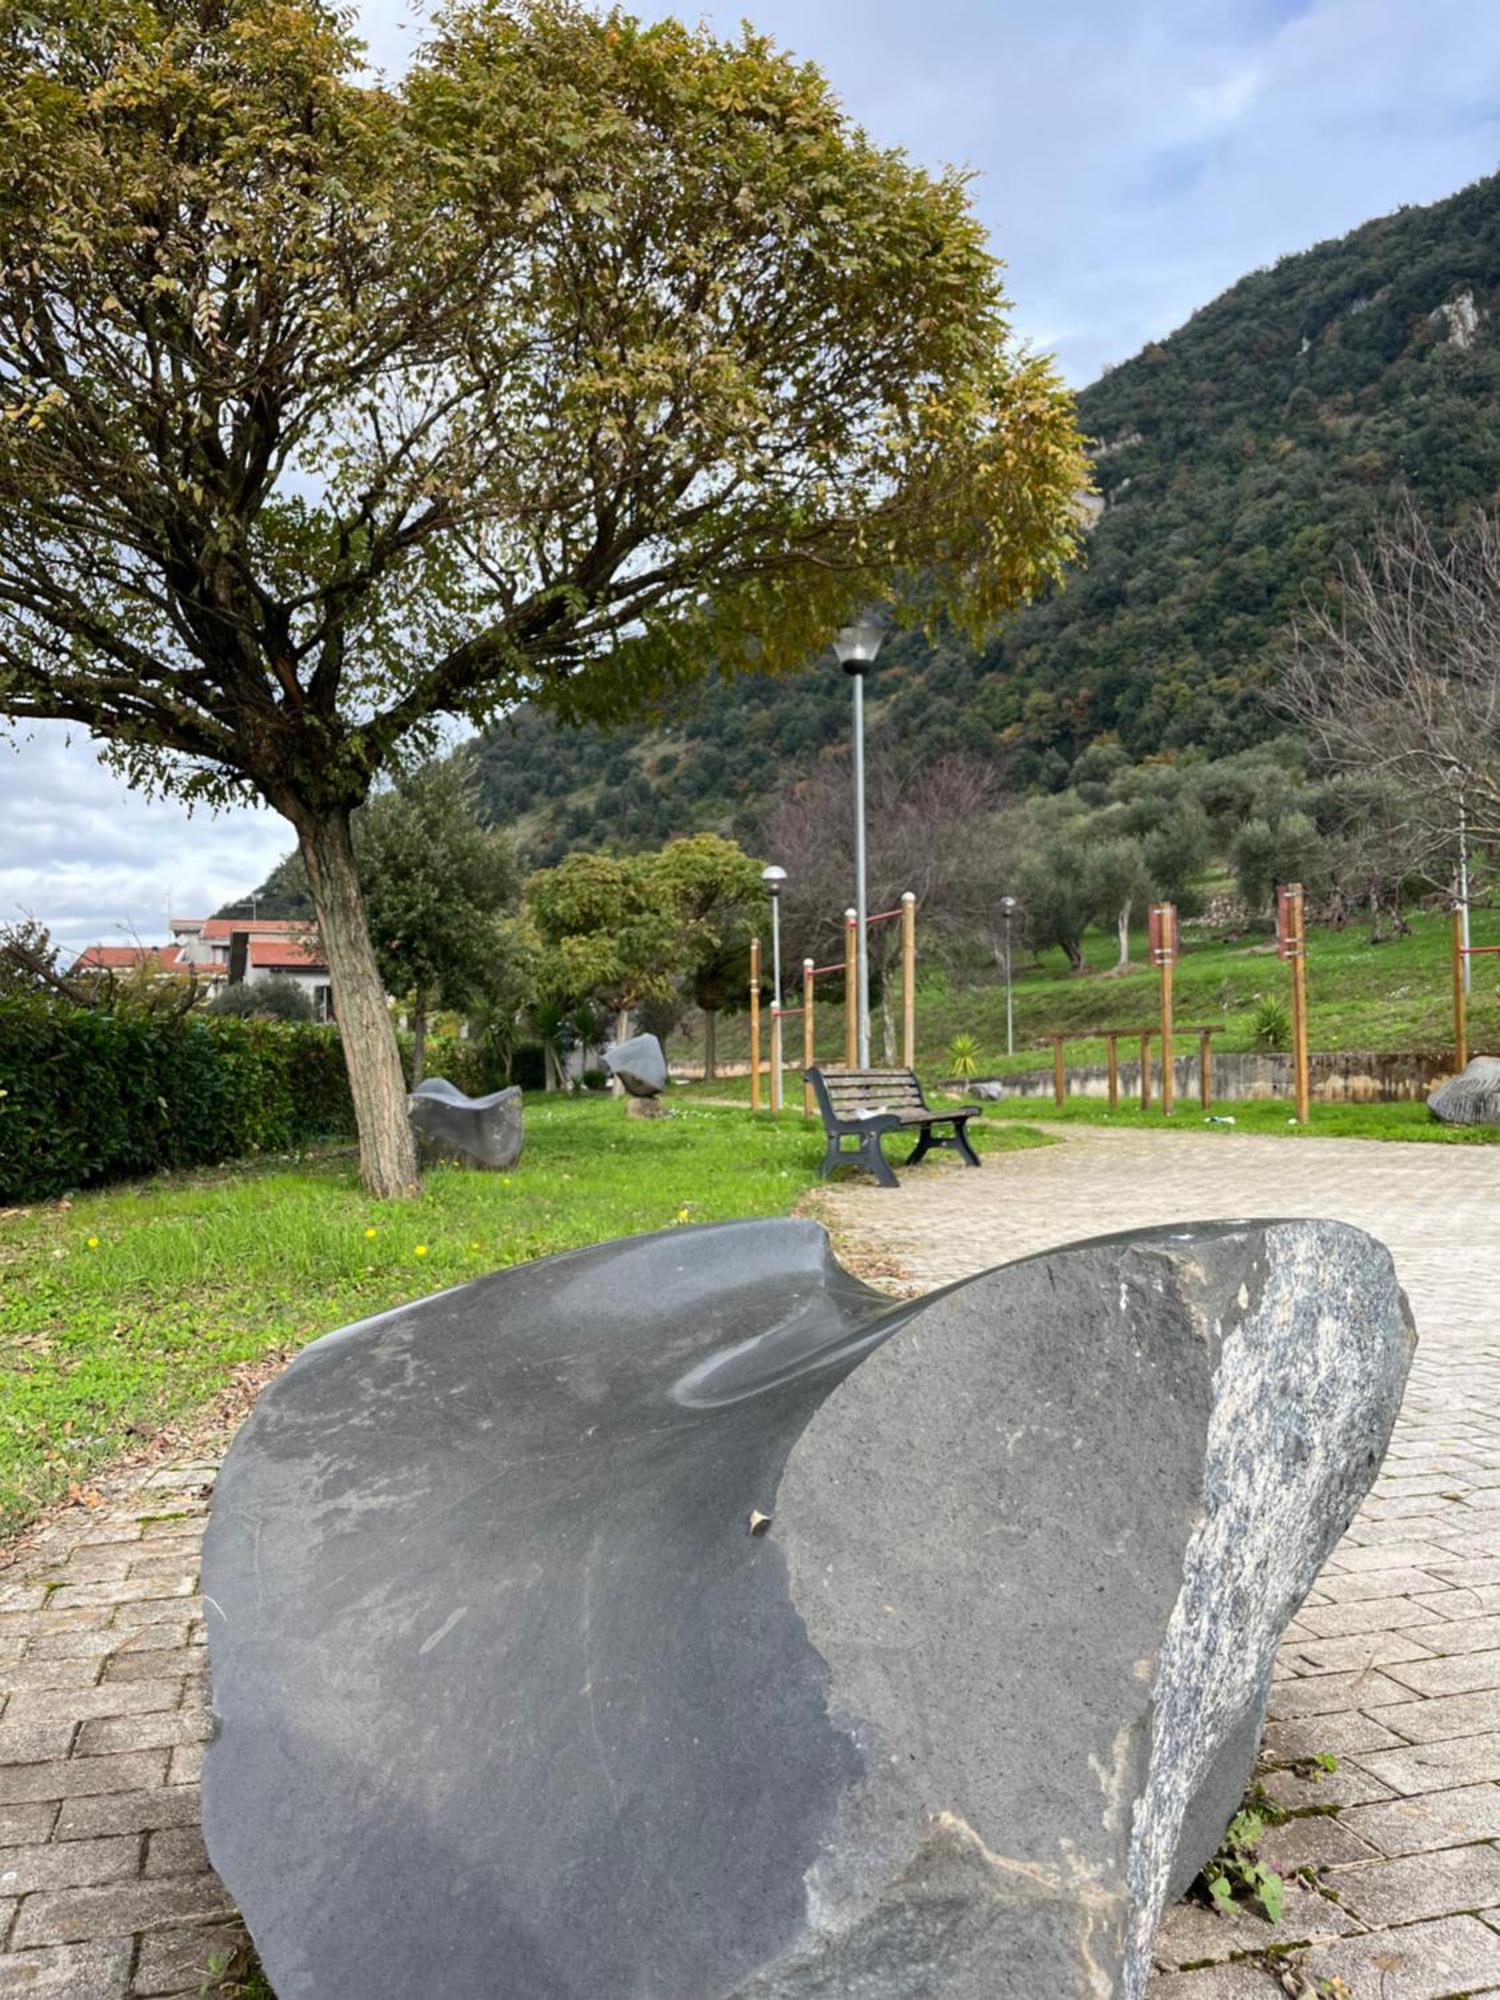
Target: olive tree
(589, 358)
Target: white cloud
(99, 864)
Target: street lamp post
(1008, 911)
(856, 646)
(774, 877)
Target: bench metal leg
(957, 1143)
(869, 1156)
(961, 1142)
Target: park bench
(866, 1104)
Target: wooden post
(1168, 1071)
(1114, 1072)
(755, 1024)
(1297, 952)
(1205, 1067)
(1059, 1074)
(809, 1040)
(851, 992)
(908, 981)
(1146, 1071)
(1460, 998)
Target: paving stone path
(1393, 1665)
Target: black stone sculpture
(639, 1064)
(1472, 1097)
(682, 1620)
(474, 1131)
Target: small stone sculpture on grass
(467, 1131)
(1472, 1098)
(641, 1066)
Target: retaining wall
(1356, 1077)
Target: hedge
(91, 1096)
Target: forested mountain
(1235, 460)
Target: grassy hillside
(1393, 997)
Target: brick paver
(1393, 1664)
(105, 1890)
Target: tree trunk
(1122, 930)
(551, 1067)
(887, 1024)
(710, 1043)
(622, 1034)
(1075, 955)
(387, 1145)
(418, 1036)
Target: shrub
(528, 1066)
(274, 999)
(93, 1096)
(468, 1065)
(90, 1095)
(1271, 1023)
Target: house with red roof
(226, 950)
(123, 959)
(223, 951)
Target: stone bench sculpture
(681, 1619)
(1470, 1098)
(474, 1131)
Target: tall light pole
(1008, 910)
(773, 877)
(856, 646)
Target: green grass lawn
(131, 1308)
(1257, 1114)
(1395, 996)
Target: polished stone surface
(519, 1698)
(1472, 1098)
(639, 1064)
(475, 1131)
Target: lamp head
(856, 644)
(773, 877)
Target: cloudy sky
(1134, 158)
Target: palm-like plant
(963, 1056)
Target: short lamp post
(856, 646)
(1008, 907)
(1456, 779)
(774, 877)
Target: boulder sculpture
(474, 1131)
(1472, 1097)
(682, 1620)
(639, 1064)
